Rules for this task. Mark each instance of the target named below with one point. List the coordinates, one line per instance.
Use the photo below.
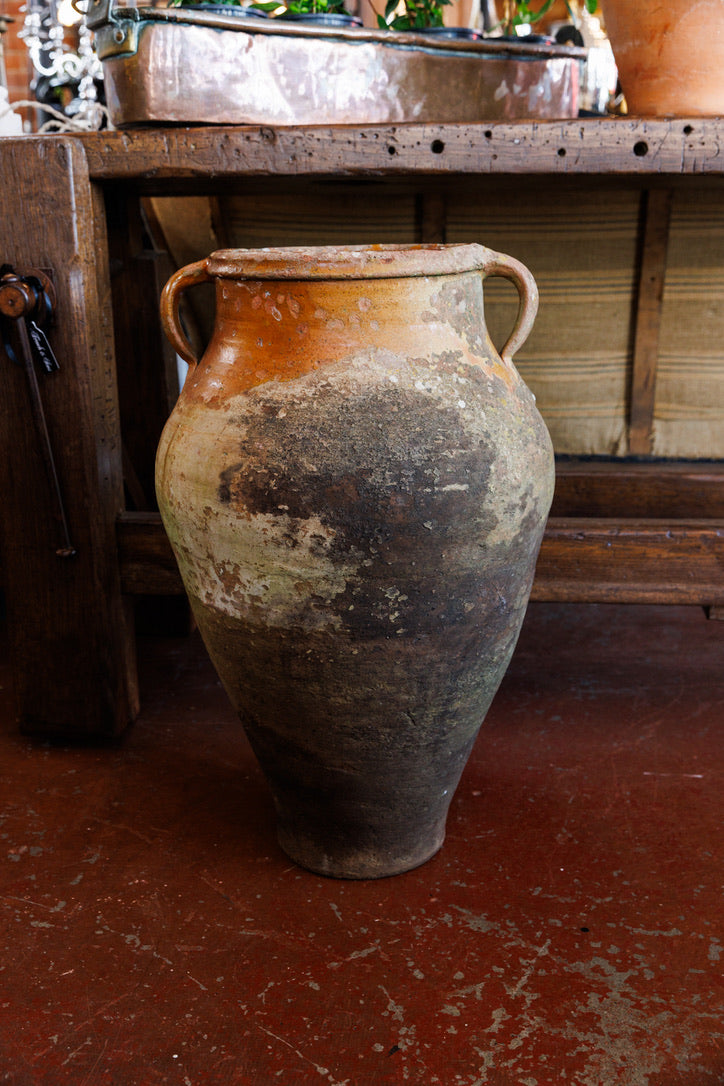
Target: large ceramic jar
(355, 484)
(670, 56)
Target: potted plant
(218, 7)
(416, 15)
(320, 12)
(520, 13)
(423, 17)
(670, 56)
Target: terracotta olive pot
(355, 484)
(670, 56)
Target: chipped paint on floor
(571, 929)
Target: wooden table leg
(70, 629)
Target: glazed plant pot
(355, 484)
(670, 57)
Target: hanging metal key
(27, 303)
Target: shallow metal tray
(173, 65)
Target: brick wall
(17, 63)
(18, 68)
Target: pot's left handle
(190, 276)
(509, 268)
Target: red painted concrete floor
(571, 930)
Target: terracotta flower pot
(355, 484)
(670, 56)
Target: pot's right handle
(509, 268)
(190, 276)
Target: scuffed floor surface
(571, 931)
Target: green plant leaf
(534, 16)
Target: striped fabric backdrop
(582, 242)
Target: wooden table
(629, 531)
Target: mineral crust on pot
(355, 484)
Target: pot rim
(348, 261)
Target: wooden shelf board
(604, 146)
(625, 489)
(631, 561)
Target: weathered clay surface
(358, 542)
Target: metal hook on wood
(28, 302)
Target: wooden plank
(432, 217)
(147, 563)
(586, 559)
(657, 217)
(70, 634)
(147, 374)
(623, 489)
(645, 561)
(157, 156)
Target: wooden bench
(627, 531)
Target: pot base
(353, 861)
